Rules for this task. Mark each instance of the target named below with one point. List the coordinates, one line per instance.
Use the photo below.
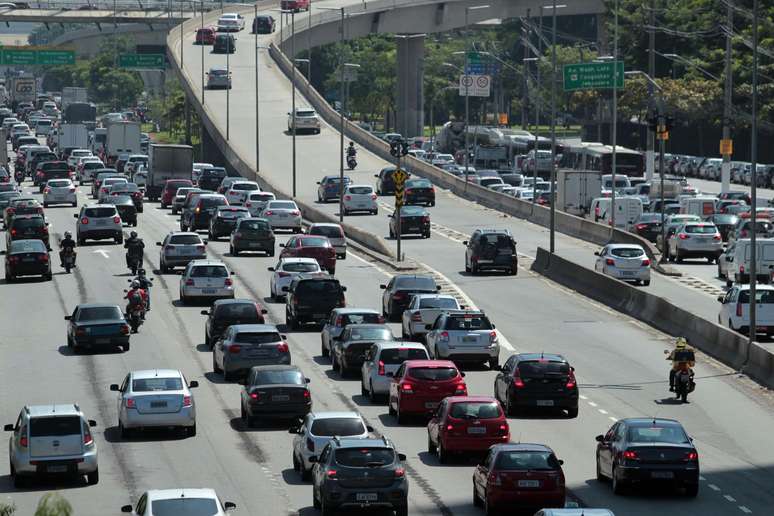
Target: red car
(519, 476)
(294, 5)
(205, 36)
(311, 246)
(419, 386)
(466, 424)
(170, 190)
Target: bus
(597, 156)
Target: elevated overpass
(106, 12)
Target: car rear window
(367, 318)
(327, 231)
(28, 246)
(244, 186)
(468, 322)
(174, 185)
(360, 190)
(304, 113)
(260, 226)
(233, 213)
(96, 313)
(702, 229)
(283, 205)
(364, 457)
(214, 172)
(371, 334)
(252, 337)
(99, 213)
(211, 202)
(185, 240)
(237, 311)
(657, 434)
(627, 252)
(433, 373)
(543, 367)
(59, 183)
(209, 271)
(301, 267)
(415, 282)
(315, 242)
(24, 223)
(55, 426)
(319, 287)
(440, 302)
(765, 297)
(261, 196)
(394, 356)
(187, 506)
(475, 410)
(286, 376)
(341, 426)
(515, 460)
(157, 384)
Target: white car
(237, 192)
(90, 165)
(59, 191)
(282, 215)
(424, 309)
(104, 191)
(256, 201)
(72, 159)
(206, 279)
(735, 309)
(360, 198)
(140, 177)
(382, 359)
(306, 119)
(286, 269)
(197, 170)
(155, 398)
(231, 22)
(626, 262)
(179, 501)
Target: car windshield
(364, 457)
(657, 434)
(438, 302)
(626, 252)
(209, 271)
(319, 287)
(394, 356)
(433, 373)
(244, 186)
(25, 223)
(367, 318)
(530, 460)
(58, 426)
(341, 426)
(703, 229)
(96, 313)
(360, 190)
(415, 282)
(498, 241)
(543, 367)
(411, 211)
(187, 506)
(475, 410)
(282, 205)
(283, 376)
(765, 297)
(99, 213)
(157, 384)
(185, 240)
(371, 334)
(301, 267)
(326, 231)
(315, 242)
(28, 246)
(242, 311)
(468, 322)
(254, 337)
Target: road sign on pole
(726, 147)
(141, 61)
(29, 56)
(593, 76)
(19, 56)
(474, 85)
(56, 57)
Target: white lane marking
(602, 411)
(729, 498)
(702, 478)
(583, 397)
(105, 254)
(713, 487)
(745, 509)
(592, 403)
(351, 254)
(611, 418)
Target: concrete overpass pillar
(411, 106)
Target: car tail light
(610, 261)
(743, 234)
(373, 196)
(347, 197)
(47, 190)
(307, 394)
(189, 282)
(13, 232)
(444, 337)
(169, 248)
(407, 388)
(400, 472)
(502, 429)
(309, 444)
(283, 348)
(234, 349)
(87, 438)
(84, 220)
(129, 402)
(11, 210)
(125, 329)
(416, 316)
(739, 309)
(248, 204)
(645, 262)
(13, 259)
(23, 441)
(381, 372)
(492, 337)
(187, 401)
(461, 389)
(72, 189)
(691, 456)
(571, 381)
(683, 236)
(517, 381)
(295, 213)
(42, 257)
(630, 455)
(331, 474)
(229, 282)
(741, 269)
(269, 213)
(716, 237)
(282, 274)
(104, 190)
(449, 428)
(494, 479)
(426, 218)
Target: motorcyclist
(134, 247)
(67, 245)
(145, 284)
(679, 363)
(351, 151)
(136, 296)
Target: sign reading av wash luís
(593, 76)
(28, 56)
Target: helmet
(141, 272)
(135, 284)
(133, 234)
(67, 234)
(681, 343)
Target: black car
(25, 227)
(643, 450)
(224, 44)
(397, 293)
(211, 177)
(225, 312)
(199, 216)
(349, 349)
(50, 170)
(275, 392)
(97, 325)
(419, 191)
(385, 184)
(126, 208)
(537, 380)
(648, 226)
(224, 220)
(491, 249)
(5, 198)
(310, 299)
(414, 220)
(252, 234)
(726, 223)
(130, 189)
(263, 24)
(26, 258)
(36, 160)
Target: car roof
(335, 414)
(297, 260)
(650, 421)
(522, 447)
(57, 409)
(634, 246)
(155, 373)
(324, 225)
(166, 494)
(429, 363)
(551, 357)
(345, 311)
(254, 328)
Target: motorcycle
(68, 260)
(351, 162)
(135, 316)
(146, 286)
(684, 384)
(133, 262)
(18, 176)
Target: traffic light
(404, 148)
(394, 148)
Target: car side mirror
(428, 327)
(462, 374)
(205, 312)
(75, 215)
(376, 176)
(318, 182)
(438, 288)
(600, 438)
(92, 423)
(720, 299)
(158, 244)
(369, 428)
(343, 289)
(229, 505)
(242, 381)
(293, 430)
(312, 459)
(264, 311)
(390, 374)
(464, 242)
(498, 367)
(126, 508)
(383, 287)
(8, 428)
(193, 384)
(285, 289)
(401, 457)
(233, 273)
(67, 317)
(270, 269)
(114, 387)
(560, 461)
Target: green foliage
(53, 504)
(7, 509)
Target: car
(179, 501)
(382, 361)
(224, 220)
(518, 476)
(21, 206)
(171, 186)
(764, 228)
(464, 336)
(88, 170)
(311, 246)
(205, 36)
(224, 44)
(252, 234)
(422, 311)
(295, 5)
(317, 429)
(419, 386)
(103, 196)
(256, 201)
(653, 449)
(466, 424)
(648, 226)
(736, 195)
(197, 168)
(360, 198)
(419, 191)
(125, 208)
(348, 350)
(75, 154)
(275, 392)
(98, 222)
(243, 346)
(211, 177)
(26, 258)
(197, 215)
(97, 325)
(575, 512)
(305, 119)
(134, 163)
(310, 299)
(385, 183)
(231, 22)
(155, 398)
(286, 269)
(726, 264)
(414, 220)
(735, 309)
(537, 380)
(130, 190)
(52, 439)
(99, 178)
(329, 187)
(218, 78)
(626, 262)
(263, 24)
(226, 183)
(725, 222)
(695, 240)
(179, 248)
(282, 215)
(339, 319)
(397, 293)
(359, 473)
(491, 249)
(208, 279)
(225, 312)
(673, 222)
(180, 196)
(26, 227)
(238, 190)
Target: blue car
(329, 188)
(97, 326)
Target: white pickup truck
(424, 309)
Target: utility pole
(725, 171)
(537, 110)
(257, 124)
(615, 119)
(753, 185)
(293, 81)
(649, 157)
(525, 82)
(552, 205)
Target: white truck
(72, 94)
(672, 188)
(576, 189)
(22, 89)
(627, 211)
(122, 138)
(703, 205)
(74, 136)
(167, 162)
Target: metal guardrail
(124, 5)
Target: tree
(7, 509)
(53, 504)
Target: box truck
(73, 94)
(167, 162)
(576, 189)
(121, 138)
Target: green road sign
(141, 61)
(593, 76)
(56, 57)
(19, 56)
(26, 56)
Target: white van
(621, 182)
(741, 262)
(627, 211)
(703, 206)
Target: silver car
(208, 279)
(287, 269)
(282, 215)
(246, 345)
(335, 236)
(626, 262)
(180, 501)
(381, 362)
(180, 196)
(695, 240)
(464, 335)
(155, 398)
(179, 249)
(340, 318)
(103, 195)
(424, 309)
(317, 429)
(218, 78)
(59, 191)
(52, 439)
(98, 222)
(256, 201)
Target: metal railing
(125, 5)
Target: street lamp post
(552, 202)
(293, 81)
(467, 90)
(753, 184)
(257, 125)
(228, 90)
(303, 60)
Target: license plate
(627, 273)
(280, 397)
(431, 404)
(58, 468)
(361, 205)
(366, 497)
(529, 483)
(319, 316)
(158, 404)
(209, 291)
(101, 222)
(30, 259)
(545, 403)
(662, 474)
(283, 215)
(186, 250)
(103, 341)
(255, 244)
(476, 430)
(469, 338)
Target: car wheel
(191, 430)
(363, 391)
(400, 416)
(215, 367)
(183, 299)
(510, 408)
(119, 239)
(315, 501)
(617, 484)
(45, 205)
(431, 447)
(126, 433)
(18, 480)
(473, 269)
(125, 347)
(646, 283)
(326, 509)
(494, 363)
(371, 394)
(600, 476)
(692, 490)
(443, 455)
(572, 412)
(401, 510)
(93, 478)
